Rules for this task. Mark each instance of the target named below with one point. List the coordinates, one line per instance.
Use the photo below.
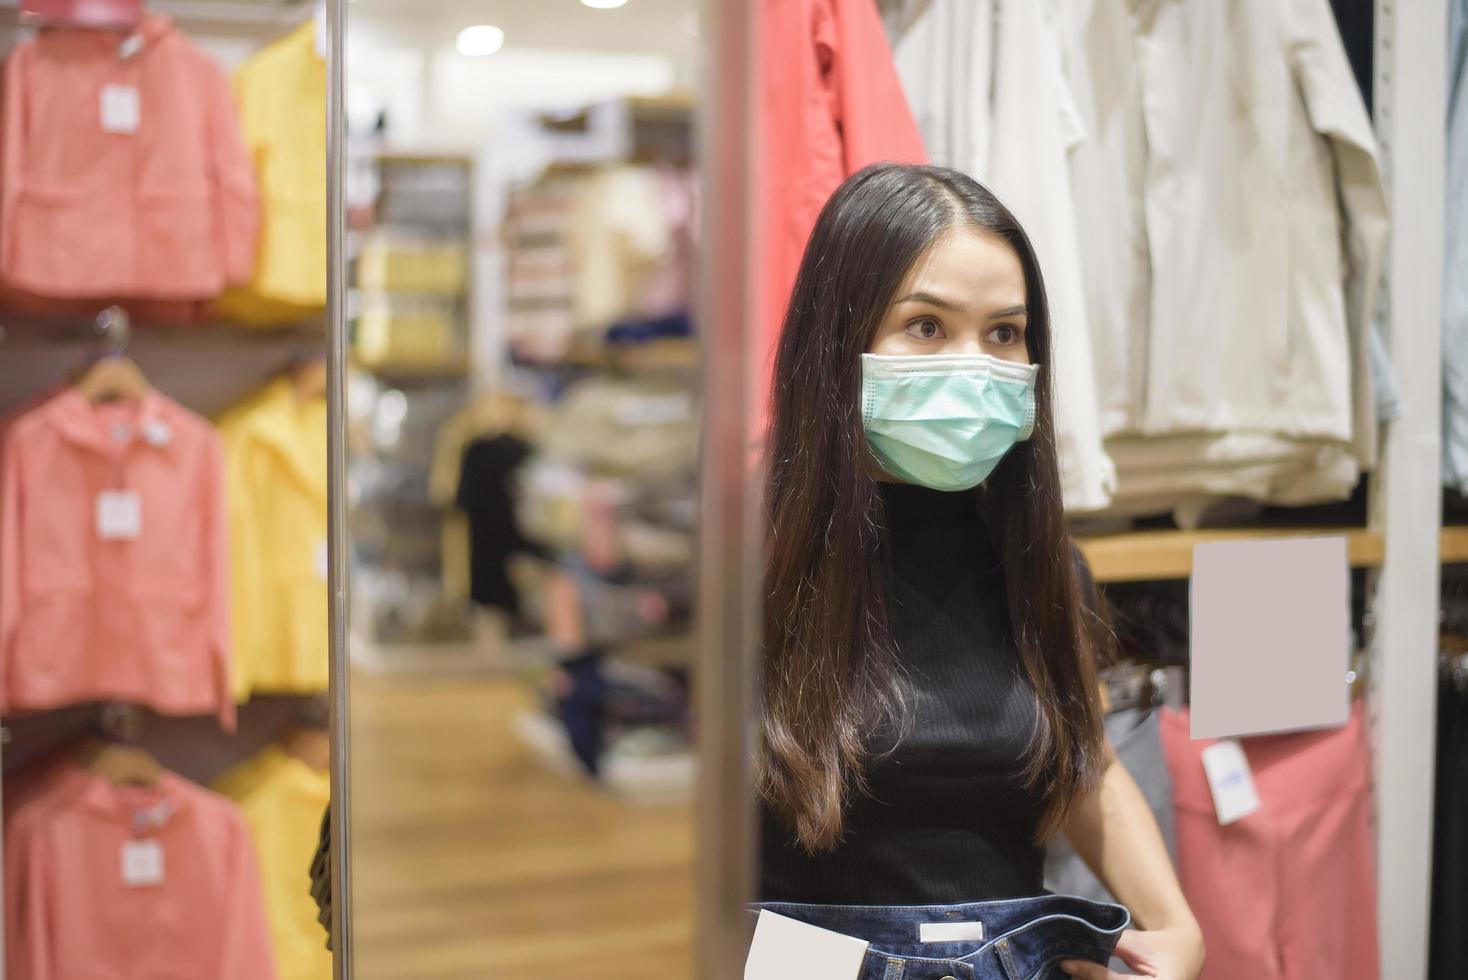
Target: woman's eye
(1005, 334)
(925, 329)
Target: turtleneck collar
(910, 506)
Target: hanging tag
(784, 949)
(1231, 781)
(142, 863)
(119, 515)
(122, 110)
(319, 16)
(157, 433)
(323, 560)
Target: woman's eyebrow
(931, 300)
(1011, 311)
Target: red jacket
(122, 168)
(831, 104)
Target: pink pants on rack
(1288, 892)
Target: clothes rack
(225, 13)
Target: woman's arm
(1114, 832)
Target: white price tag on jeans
(119, 515)
(122, 109)
(142, 863)
(784, 949)
(1231, 781)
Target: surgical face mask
(945, 421)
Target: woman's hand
(1166, 954)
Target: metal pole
(339, 564)
(730, 538)
(1410, 94)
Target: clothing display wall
(159, 571)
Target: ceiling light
(604, 4)
(480, 40)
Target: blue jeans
(1024, 939)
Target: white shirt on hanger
(985, 83)
(1265, 219)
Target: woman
(930, 707)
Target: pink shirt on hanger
(123, 169)
(831, 103)
(124, 882)
(113, 558)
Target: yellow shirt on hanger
(275, 473)
(283, 800)
(282, 102)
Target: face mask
(944, 421)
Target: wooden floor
(474, 862)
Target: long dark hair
(830, 671)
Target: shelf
(31, 333)
(388, 371)
(1145, 556)
(1453, 546)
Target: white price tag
(122, 110)
(784, 949)
(119, 515)
(323, 560)
(1231, 781)
(142, 863)
(320, 28)
(951, 932)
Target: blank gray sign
(1270, 636)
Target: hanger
(111, 378)
(308, 744)
(309, 377)
(113, 375)
(112, 752)
(1132, 685)
(120, 765)
(565, 169)
(113, 15)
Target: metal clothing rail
(338, 565)
(242, 12)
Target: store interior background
(482, 844)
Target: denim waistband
(1023, 939)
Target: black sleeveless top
(946, 818)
